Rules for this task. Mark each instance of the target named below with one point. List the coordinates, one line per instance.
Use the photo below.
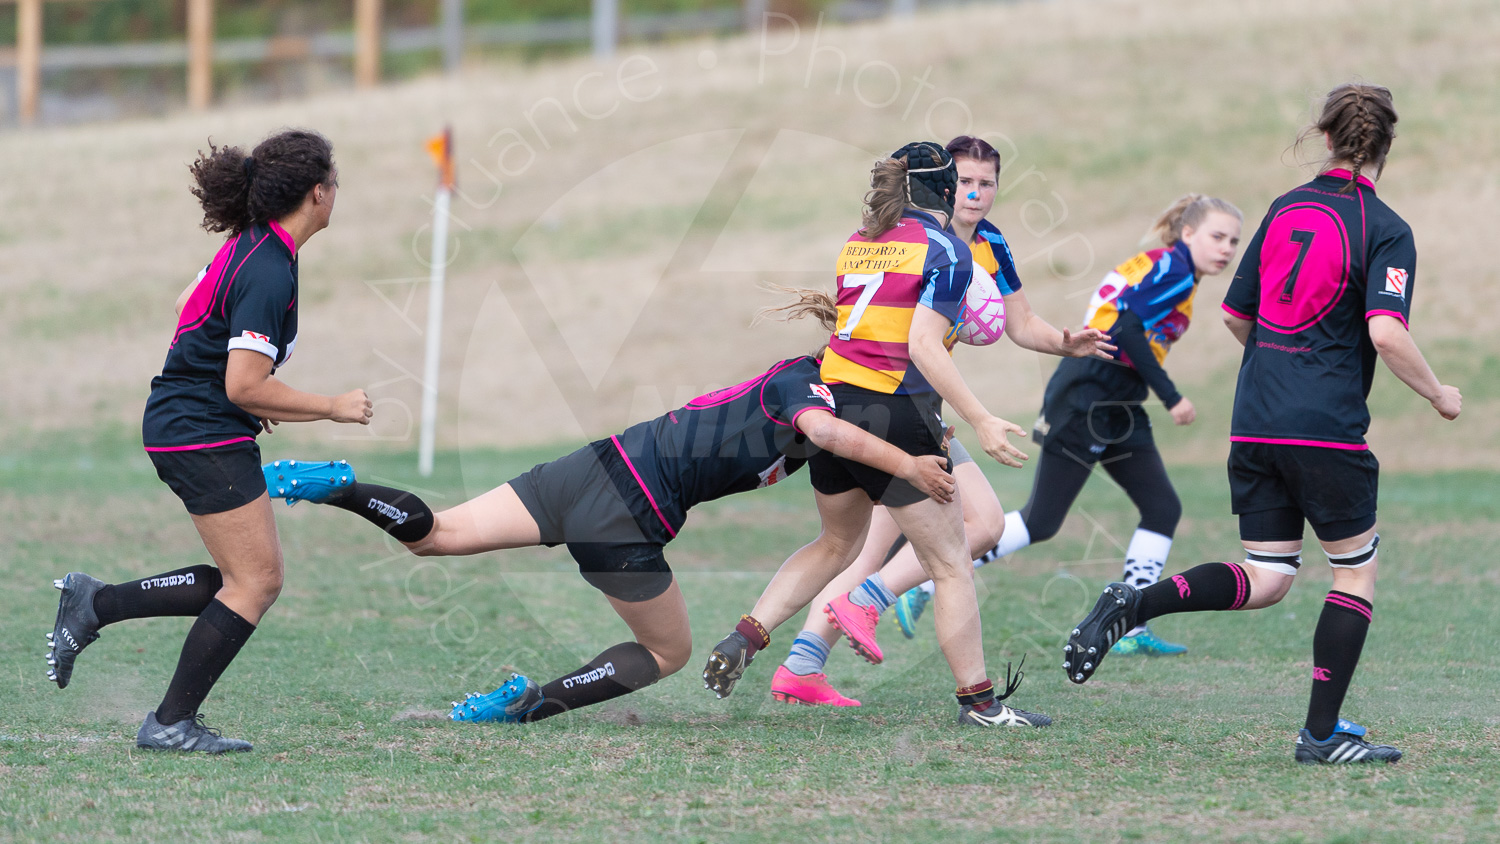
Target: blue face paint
(973, 194)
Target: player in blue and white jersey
(237, 325)
(615, 504)
(1324, 289)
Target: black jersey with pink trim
(1322, 264)
(245, 299)
(731, 440)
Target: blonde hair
(1188, 211)
(887, 198)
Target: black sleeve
(1130, 335)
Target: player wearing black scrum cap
(1324, 289)
(902, 279)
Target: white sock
(1015, 537)
(1144, 560)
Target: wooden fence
(199, 51)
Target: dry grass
(615, 272)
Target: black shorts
(1273, 488)
(212, 480)
(575, 503)
(1105, 432)
(911, 423)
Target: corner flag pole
(440, 147)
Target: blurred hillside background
(617, 223)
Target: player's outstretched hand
(353, 406)
(929, 473)
(1449, 403)
(992, 438)
(1183, 412)
(1086, 343)
(267, 424)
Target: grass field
(342, 687)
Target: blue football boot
(909, 608)
(510, 703)
(1145, 643)
(302, 480)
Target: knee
(1266, 587)
(672, 656)
(1162, 514)
(984, 533)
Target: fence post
(200, 33)
(28, 58)
(755, 14)
(606, 28)
(452, 26)
(366, 43)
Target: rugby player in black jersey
(1324, 289)
(615, 504)
(237, 323)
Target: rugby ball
(982, 321)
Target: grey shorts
(574, 502)
(958, 454)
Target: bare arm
(927, 473)
(250, 385)
(1399, 351)
(1028, 330)
(1240, 328)
(187, 292)
(932, 359)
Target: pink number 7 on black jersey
(1322, 264)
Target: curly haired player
(237, 323)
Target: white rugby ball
(982, 321)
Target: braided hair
(238, 190)
(1360, 122)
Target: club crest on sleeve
(822, 392)
(1395, 281)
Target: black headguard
(931, 176)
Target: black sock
(211, 645)
(1336, 647)
(182, 592)
(1211, 586)
(397, 512)
(622, 669)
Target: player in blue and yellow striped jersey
(1092, 411)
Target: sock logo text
(170, 580)
(605, 670)
(384, 509)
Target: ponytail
(237, 190)
(1360, 121)
(1188, 211)
(810, 303)
(887, 198)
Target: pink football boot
(806, 689)
(857, 623)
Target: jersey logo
(773, 473)
(251, 335)
(1395, 282)
(822, 392)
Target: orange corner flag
(440, 147)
